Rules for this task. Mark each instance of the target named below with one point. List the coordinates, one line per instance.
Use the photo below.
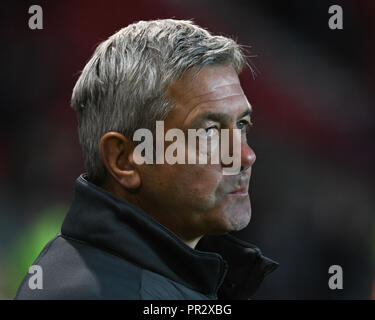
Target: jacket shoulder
(75, 270)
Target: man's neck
(192, 243)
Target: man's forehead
(214, 90)
(211, 83)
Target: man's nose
(248, 156)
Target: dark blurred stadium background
(312, 189)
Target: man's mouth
(240, 191)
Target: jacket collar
(104, 220)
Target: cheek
(198, 174)
(194, 186)
(200, 182)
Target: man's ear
(117, 155)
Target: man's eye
(243, 124)
(211, 131)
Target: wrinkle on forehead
(212, 83)
(218, 93)
(233, 106)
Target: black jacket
(110, 249)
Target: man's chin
(241, 221)
(238, 215)
(233, 221)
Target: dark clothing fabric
(110, 249)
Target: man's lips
(240, 191)
(240, 186)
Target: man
(156, 230)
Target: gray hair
(122, 87)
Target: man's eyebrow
(247, 112)
(217, 117)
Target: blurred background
(312, 188)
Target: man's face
(197, 199)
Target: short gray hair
(122, 87)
